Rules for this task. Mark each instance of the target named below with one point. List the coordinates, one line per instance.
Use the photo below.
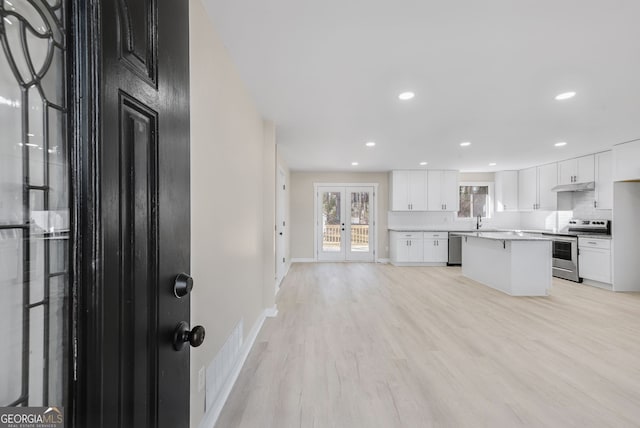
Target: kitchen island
(518, 264)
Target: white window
(475, 199)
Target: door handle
(182, 335)
(280, 233)
(183, 284)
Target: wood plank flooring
(371, 345)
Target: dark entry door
(131, 374)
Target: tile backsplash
(583, 207)
(570, 205)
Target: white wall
(232, 212)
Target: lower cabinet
(436, 247)
(419, 248)
(594, 260)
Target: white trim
(303, 260)
(383, 261)
(211, 416)
(271, 312)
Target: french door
(345, 223)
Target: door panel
(135, 238)
(331, 223)
(359, 221)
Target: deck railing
(331, 235)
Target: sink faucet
(478, 222)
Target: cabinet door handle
(595, 204)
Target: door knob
(182, 285)
(280, 233)
(182, 335)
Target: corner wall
(232, 212)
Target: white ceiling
(328, 73)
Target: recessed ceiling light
(370, 143)
(465, 144)
(565, 95)
(560, 144)
(354, 164)
(406, 96)
(423, 163)
(492, 164)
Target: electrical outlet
(201, 379)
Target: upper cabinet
(408, 190)
(577, 170)
(547, 180)
(604, 181)
(421, 190)
(528, 189)
(506, 191)
(534, 188)
(443, 193)
(626, 161)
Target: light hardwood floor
(370, 345)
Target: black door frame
(85, 246)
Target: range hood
(575, 187)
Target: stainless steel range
(565, 246)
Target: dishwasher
(455, 250)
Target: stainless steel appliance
(455, 250)
(565, 246)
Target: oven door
(565, 258)
(563, 250)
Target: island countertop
(503, 236)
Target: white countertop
(504, 236)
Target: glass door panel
(331, 218)
(358, 224)
(34, 205)
(359, 221)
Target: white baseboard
(384, 261)
(271, 312)
(303, 260)
(211, 416)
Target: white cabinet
(528, 189)
(577, 170)
(506, 190)
(626, 161)
(443, 191)
(436, 247)
(406, 247)
(419, 248)
(547, 180)
(534, 188)
(594, 261)
(408, 190)
(604, 181)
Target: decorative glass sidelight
(34, 204)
